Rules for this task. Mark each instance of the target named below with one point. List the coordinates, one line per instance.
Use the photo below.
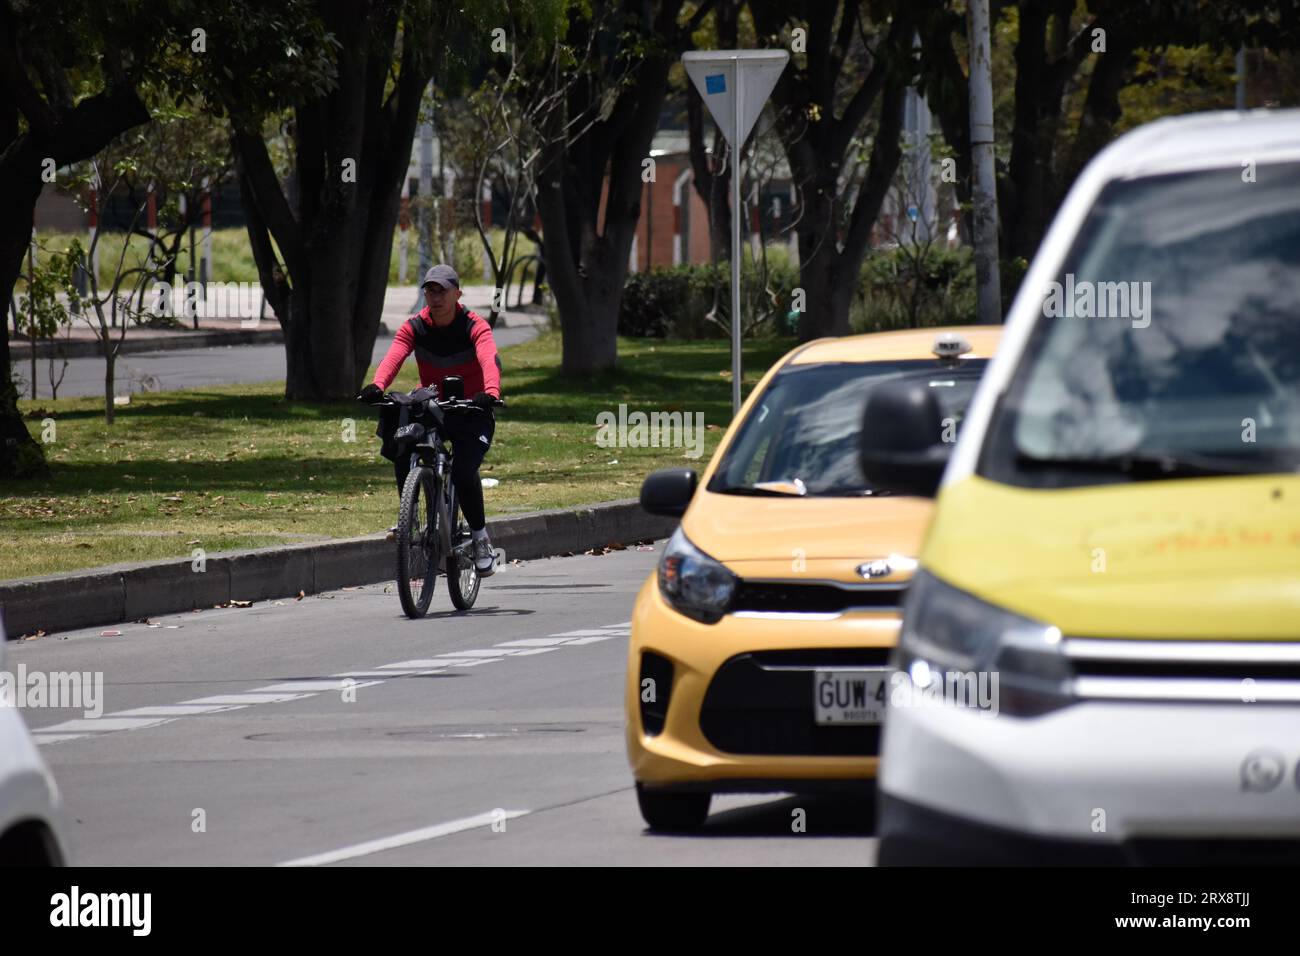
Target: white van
(1114, 558)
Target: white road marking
(395, 672)
(245, 699)
(423, 665)
(105, 724)
(406, 839)
(175, 710)
(151, 716)
(308, 686)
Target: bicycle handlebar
(447, 404)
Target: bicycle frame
(436, 456)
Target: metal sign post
(735, 85)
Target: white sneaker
(484, 557)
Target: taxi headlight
(694, 583)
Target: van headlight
(947, 632)
(694, 583)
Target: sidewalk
(399, 302)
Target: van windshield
(1169, 344)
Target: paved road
(422, 761)
(190, 368)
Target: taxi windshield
(802, 437)
(1169, 344)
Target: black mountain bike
(432, 534)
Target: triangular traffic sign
(721, 75)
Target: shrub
(902, 288)
(675, 301)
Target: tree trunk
(20, 455)
(110, 372)
(335, 232)
(81, 132)
(829, 283)
(1101, 110)
(1024, 218)
(589, 346)
(587, 256)
(31, 336)
(588, 288)
(711, 176)
(835, 226)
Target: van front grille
(1223, 671)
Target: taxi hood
(740, 528)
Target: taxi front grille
(814, 597)
(762, 703)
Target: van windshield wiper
(1153, 466)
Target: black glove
(371, 394)
(484, 401)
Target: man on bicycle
(449, 339)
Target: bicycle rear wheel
(418, 548)
(462, 578)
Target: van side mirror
(668, 491)
(902, 449)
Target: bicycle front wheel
(418, 549)
(462, 578)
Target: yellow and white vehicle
(1115, 547)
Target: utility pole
(984, 191)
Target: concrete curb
(129, 592)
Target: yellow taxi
(759, 652)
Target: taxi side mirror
(901, 442)
(668, 491)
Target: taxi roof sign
(950, 345)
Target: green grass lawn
(236, 466)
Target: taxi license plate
(856, 696)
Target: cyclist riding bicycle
(448, 339)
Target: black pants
(470, 434)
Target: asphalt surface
(192, 368)
(499, 758)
